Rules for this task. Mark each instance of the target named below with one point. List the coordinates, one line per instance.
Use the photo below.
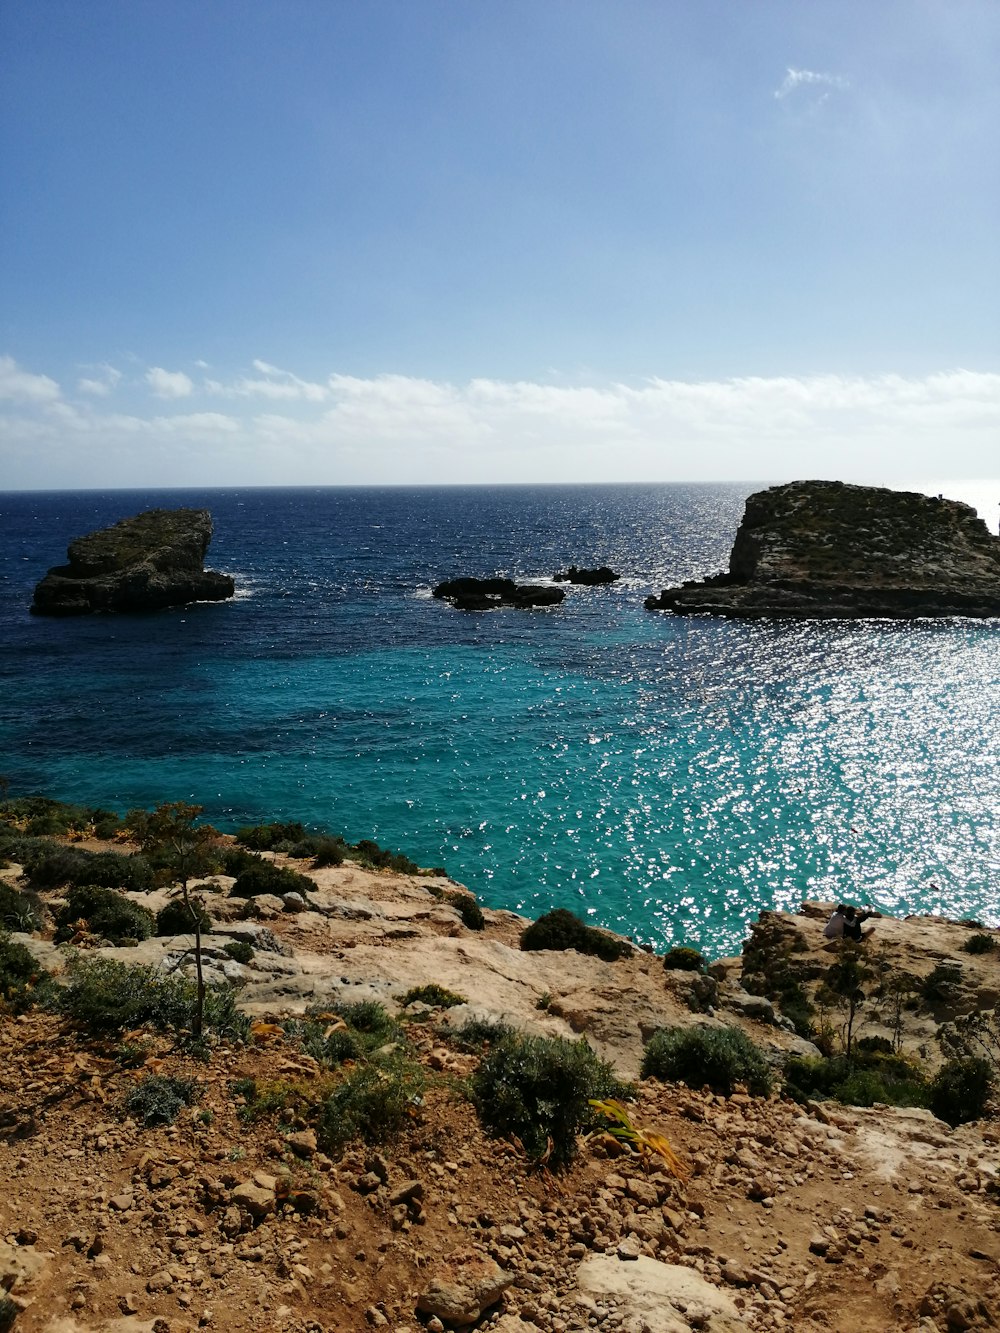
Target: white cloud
(18, 385)
(399, 428)
(796, 79)
(103, 380)
(169, 383)
(270, 382)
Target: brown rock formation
(826, 549)
(140, 564)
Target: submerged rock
(827, 549)
(470, 594)
(140, 564)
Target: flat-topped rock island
(831, 550)
(144, 563)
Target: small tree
(843, 989)
(185, 851)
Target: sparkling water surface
(666, 776)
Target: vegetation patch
(961, 1089)
(718, 1058)
(468, 909)
(683, 959)
(175, 918)
(374, 1103)
(538, 1090)
(157, 1099)
(19, 911)
(433, 995)
(265, 877)
(109, 998)
(103, 912)
(870, 1076)
(50, 865)
(23, 982)
(239, 951)
(980, 943)
(560, 929)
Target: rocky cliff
(789, 1215)
(827, 549)
(140, 564)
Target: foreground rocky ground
(790, 1217)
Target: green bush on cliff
(961, 1089)
(373, 1103)
(276, 837)
(538, 1089)
(50, 865)
(682, 959)
(23, 982)
(469, 910)
(560, 929)
(871, 1075)
(718, 1058)
(266, 877)
(109, 997)
(174, 918)
(105, 913)
(19, 911)
(157, 1098)
(980, 943)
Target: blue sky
(325, 241)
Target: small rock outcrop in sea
(588, 577)
(140, 564)
(827, 549)
(469, 594)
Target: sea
(668, 777)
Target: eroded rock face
(140, 564)
(827, 549)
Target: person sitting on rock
(846, 922)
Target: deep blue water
(668, 776)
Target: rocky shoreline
(790, 1214)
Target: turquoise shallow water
(668, 777)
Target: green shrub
(110, 997)
(49, 866)
(560, 929)
(942, 984)
(23, 982)
(239, 951)
(537, 1089)
(718, 1057)
(266, 877)
(19, 911)
(370, 1017)
(264, 837)
(683, 959)
(860, 1081)
(961, 1089)
(108, 914)
(469, 910)
(475, 1033)
(980, 943)
(174, 918)
(874, 1046)
(373, 1103)
(370, 854)
(370, 1029)
(437, 997)
(156, 1099)
(328, 852)
(234, 860)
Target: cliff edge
(827, 549)
(144, 563)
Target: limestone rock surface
(824, 549)
(144, 563)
